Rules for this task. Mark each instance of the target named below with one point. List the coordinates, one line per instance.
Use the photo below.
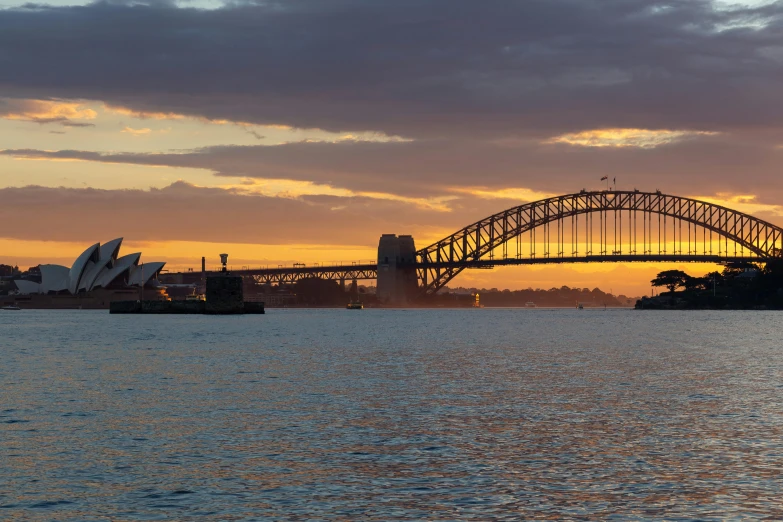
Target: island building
(224, 296)
(96, 278)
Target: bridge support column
(397, 279)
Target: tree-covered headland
(739, 286)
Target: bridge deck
(608, 258)
(370, 271)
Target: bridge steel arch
(440, 262)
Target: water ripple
(392, 415)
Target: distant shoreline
(682, 301)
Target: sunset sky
(289, 131)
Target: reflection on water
(439, 414)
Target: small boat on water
(355, 305)
(530, 304)
(10, 307)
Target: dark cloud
(44, 121)
(65, 122)
(255, 134)
(68, 123)
(433, 68)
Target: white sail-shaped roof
(110, 250)
(27, 287)
(140, 274)
(98, 266)
(79, 266)
(122, 265)
(91, 273)
(107, 258)
(54, 278)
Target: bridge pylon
(397, 276)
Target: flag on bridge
(605, 177)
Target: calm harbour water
(391, 414)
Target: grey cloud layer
(184, 212)
(187, 213)
(412, 67)
(701, 166)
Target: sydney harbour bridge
(586, 227)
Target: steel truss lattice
(475, 245)
(285, 276)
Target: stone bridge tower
(398, 282)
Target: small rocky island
(224, 296)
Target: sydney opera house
(99, 275)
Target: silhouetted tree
(697, 283)
(734, 288)
(671, 279)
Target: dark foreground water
(436, 414)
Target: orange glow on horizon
(630, 279)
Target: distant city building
(97, 267)
(8, 270)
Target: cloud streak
(46, 111)
(625, 138)
(442, 168)
(136, 132)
